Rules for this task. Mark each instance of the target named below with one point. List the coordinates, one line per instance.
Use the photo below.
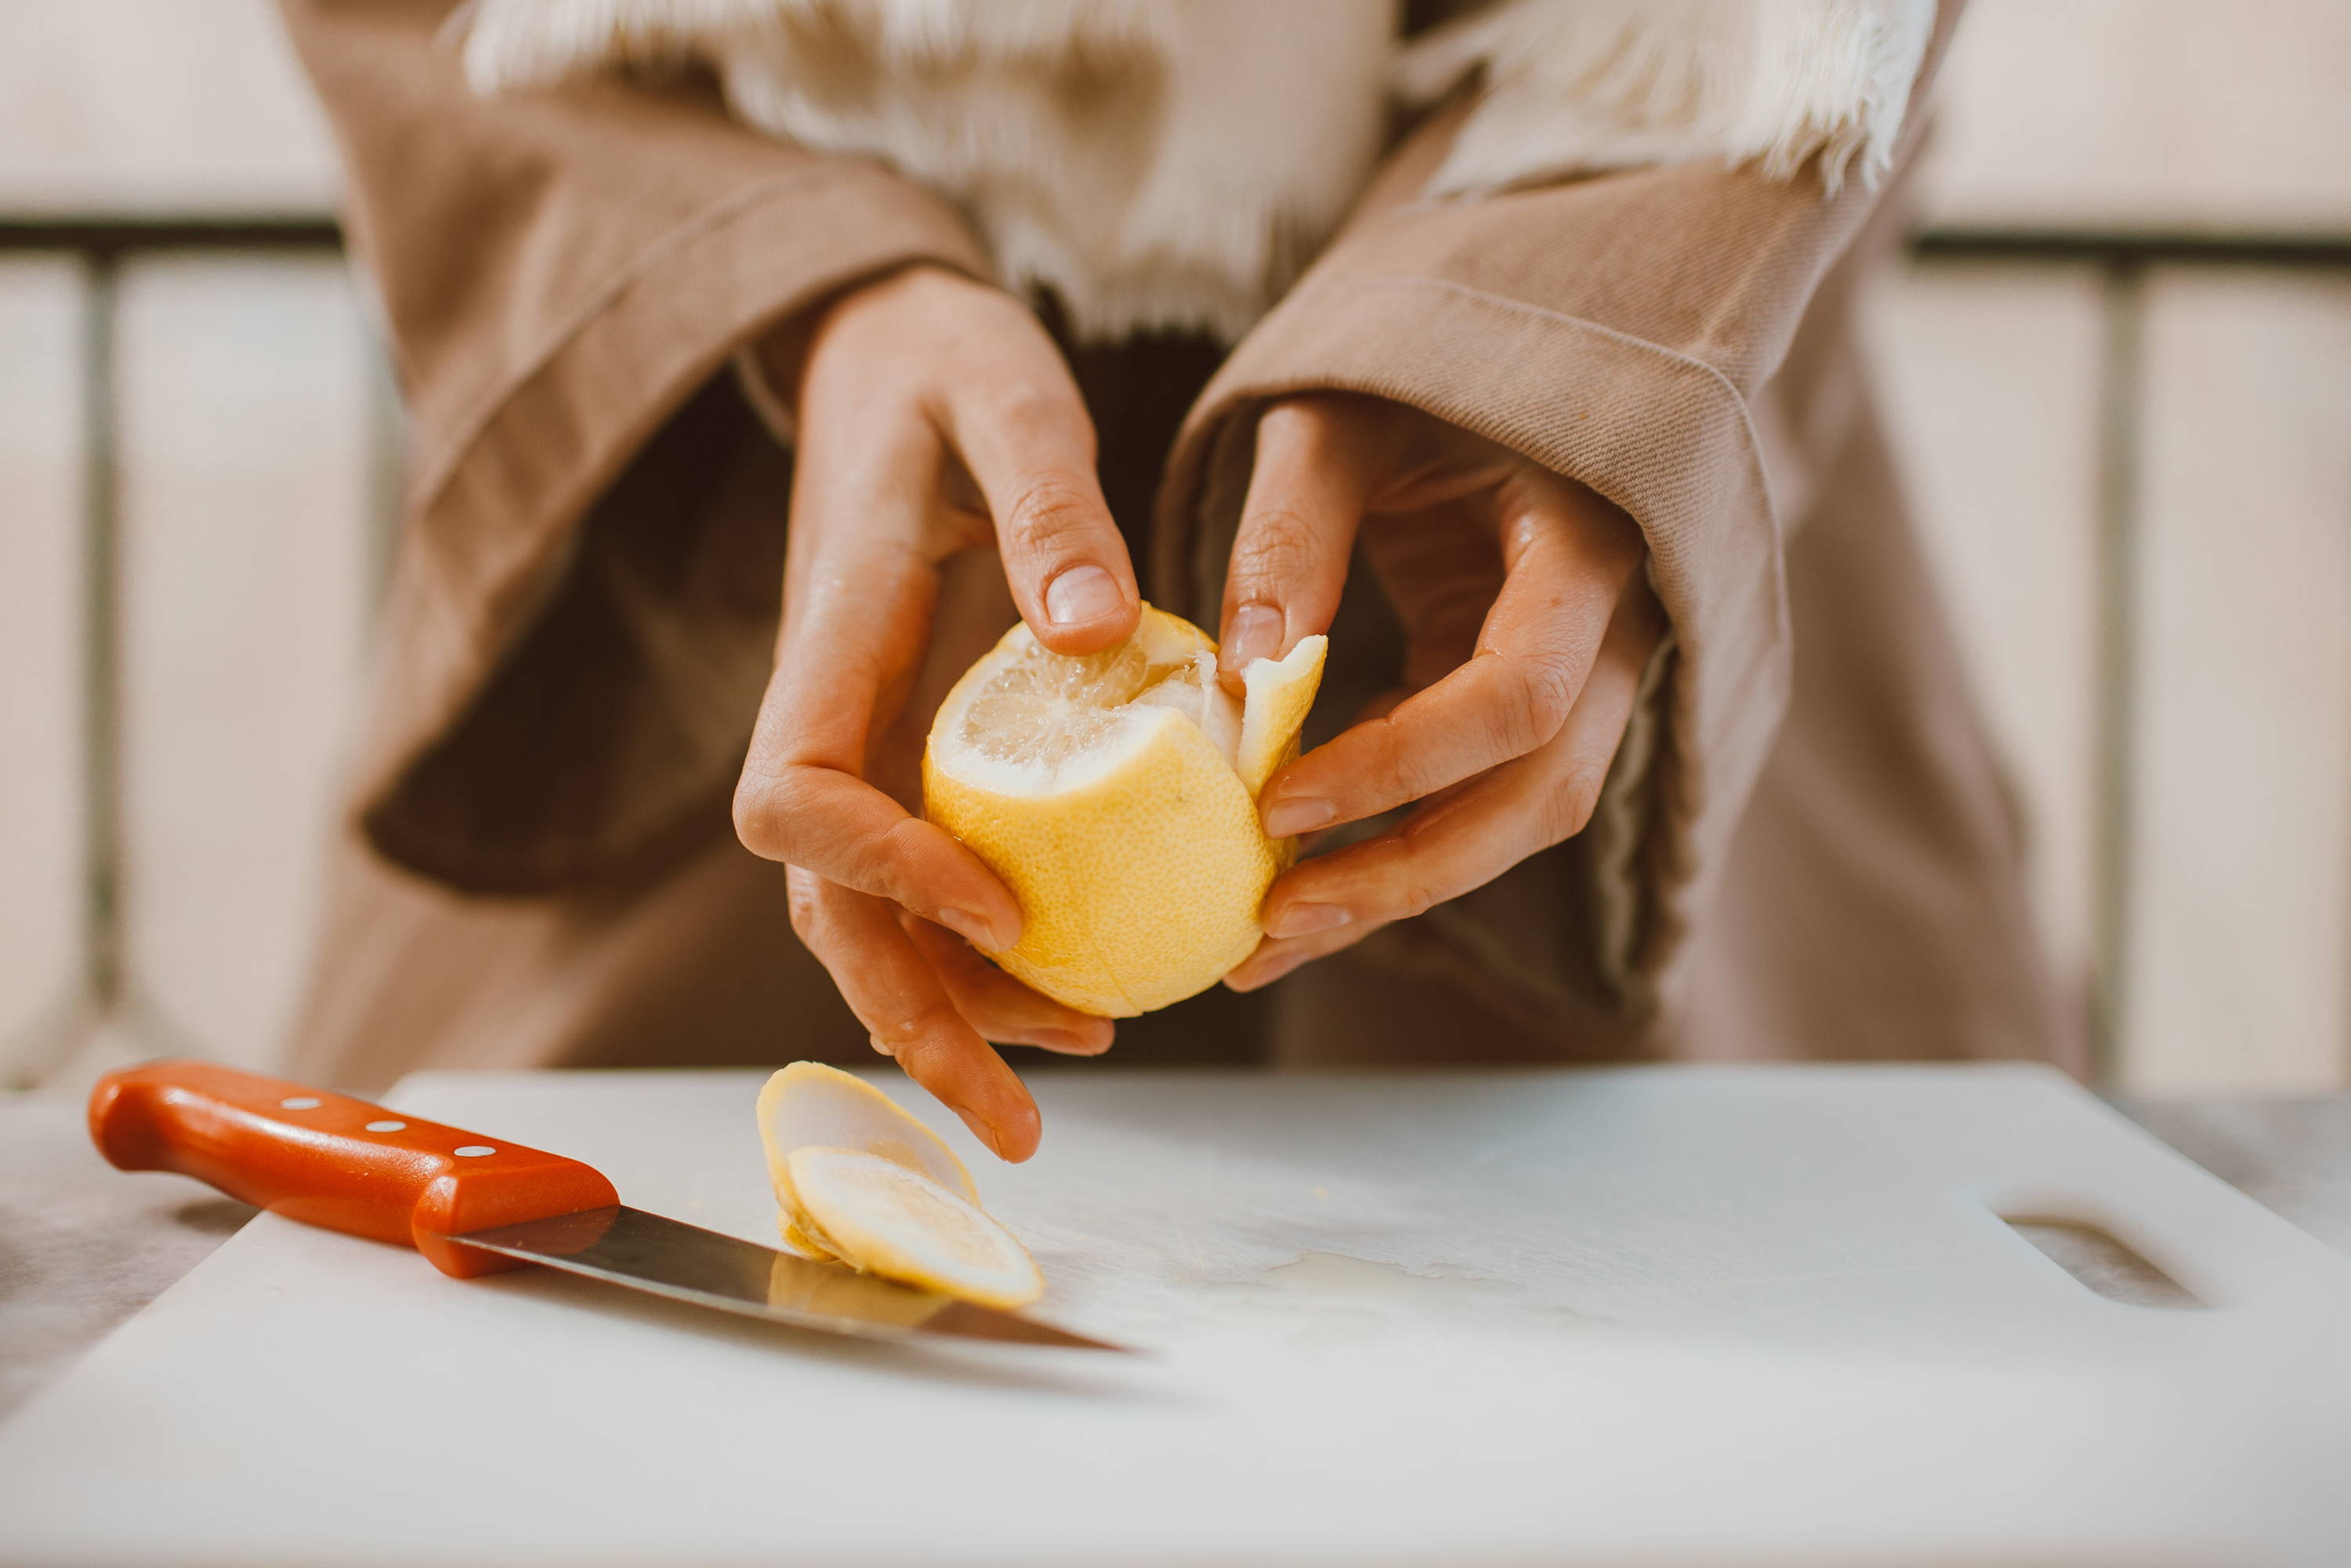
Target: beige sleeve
(566, 275)
(1619, 328)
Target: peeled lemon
(861, 1182)
(1115, 793)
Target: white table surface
(83, 1245)
(1747, 1287)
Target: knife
(474, 1205)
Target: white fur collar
(1575, 85)
(1173, 163)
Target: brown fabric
(1815, 857)
(1633, 331)
(1874, 904)
(624, 707)
(685, 957)
(561, 272)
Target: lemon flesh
(1115, 793)
(894, 1221)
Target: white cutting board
(1642, 1316)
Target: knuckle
(1415, 898)
(1276, 545)
(1399, 777)
(1533, 704)
(1053, 510)
(767, 804)
(1568, 810)
(888, 856)
(755, 817)
(1400, 770)
(1551, 684)
(804, 905)
(914, 1031)
(805, 922)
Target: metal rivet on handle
(472, 1149)
(299, 1102)
(386, 1126)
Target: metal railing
(2121, 259)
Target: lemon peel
(1115, 793)
(860, 1181)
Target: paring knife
(475, 1206)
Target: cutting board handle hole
(2101, 1262)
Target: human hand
(935, 416)
(1528, 621)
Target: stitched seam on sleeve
(1561, 317)
(1754, 443)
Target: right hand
(935, 416)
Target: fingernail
(1082, 593)
(975, 928)
(1298, 814)
(1305, 919)
(1256, 635)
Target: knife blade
(669, 1258)
(475, 1206)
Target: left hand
(1528, 621)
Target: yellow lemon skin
(1140, 889)
(1140, 886)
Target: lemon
(859, 1181)
(1115, 793)
(890, 1220)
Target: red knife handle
(330, 1160)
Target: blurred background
(2119, 360)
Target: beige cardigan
(1805, 851)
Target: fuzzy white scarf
(1171, 164)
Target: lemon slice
(808, 1103)
(894, 1221)
(859, 1181)
(1115, 793)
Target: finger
(1000, 1007)
(1029, 446)
(1488, 825)
(1306, 494)
(844, 830)
(908, 1014)
(1276, 956)
(1568, 555)
(863, 597)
